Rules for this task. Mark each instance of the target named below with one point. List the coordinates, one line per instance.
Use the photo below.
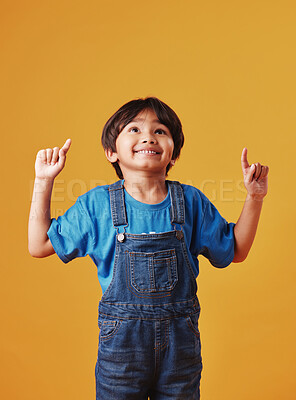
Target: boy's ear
(173, 162)
(111, 155)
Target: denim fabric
(149, 344)
(86, 229)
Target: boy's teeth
(147, 151)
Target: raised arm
(256, 183)
(49, 163)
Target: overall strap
(177, 203)
(117, 204)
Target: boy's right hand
(50, 162)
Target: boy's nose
(148, 138)
(151, 140)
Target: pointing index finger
(66, 146)
(244, 159)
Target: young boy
(144, 234)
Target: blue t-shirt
(87, 229)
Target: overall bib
(149, 342)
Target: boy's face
(143, 145)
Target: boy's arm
(48, 165)
(256, 183)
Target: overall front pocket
(152, 272)
(108, 329)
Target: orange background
(228, 69)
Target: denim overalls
(149, 342)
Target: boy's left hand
(255, 177)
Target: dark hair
(129, 111)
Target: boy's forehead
(144, 119)
(143, 115)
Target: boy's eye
(134, 129)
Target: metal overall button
(179, 235)
(120, 237)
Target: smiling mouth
(146, 152)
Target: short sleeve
(216, 237)
(72, 234)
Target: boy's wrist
(255, 197)
(42, 185)
(38, 179)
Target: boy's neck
(149, 190)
